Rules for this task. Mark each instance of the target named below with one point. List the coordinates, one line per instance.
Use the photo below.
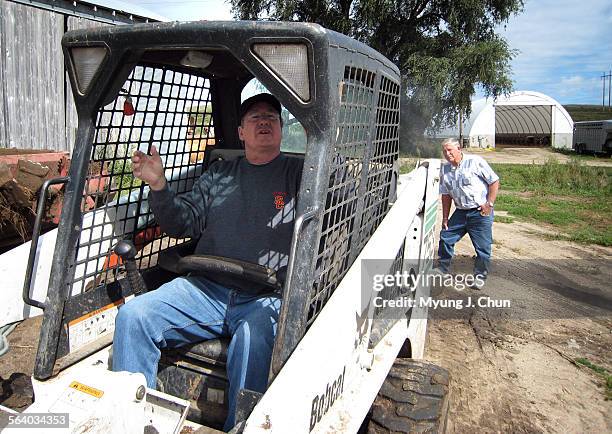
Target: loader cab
(179, 86)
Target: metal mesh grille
(385, 147)
(353, 122)
(156, 106)
(384, 316)
(353, 153)
(394, 292)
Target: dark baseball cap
(262, 97)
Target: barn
(523, 118)
(36, 106)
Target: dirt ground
(23, 342)
(528, 155)
(512, 368)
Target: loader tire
(413, 399)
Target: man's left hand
(485, 209)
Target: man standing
(469, 182)
(242, 209)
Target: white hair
(451, 141)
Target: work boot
(479, 282)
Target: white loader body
(331, 379)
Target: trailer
(593, 136)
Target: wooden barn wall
(36, 104)
(32, 84)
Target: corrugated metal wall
(2, 81)
(36, 105)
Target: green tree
(443, 48)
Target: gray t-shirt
(237, 210)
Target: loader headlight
(86, 62)
(197, 59)
(290, 63)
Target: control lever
(127, 252)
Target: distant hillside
(580, 112)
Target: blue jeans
(192, 309)
(480, 230)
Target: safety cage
(178, 86)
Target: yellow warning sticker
(87, 389)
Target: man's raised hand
(149, 168)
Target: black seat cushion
(213, 351)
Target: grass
(503, 219)
(573, 198)
(582, 112)
(572, 178)
(581, 157)
(601, 371)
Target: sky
(564, 46)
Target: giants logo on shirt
(279, 199)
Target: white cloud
(573, 81)
(564, 47)
(577, 85)
(188, 10)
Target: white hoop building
(522, 118)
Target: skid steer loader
(343, 361)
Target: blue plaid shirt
(468, 183)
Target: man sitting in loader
(242, 209)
